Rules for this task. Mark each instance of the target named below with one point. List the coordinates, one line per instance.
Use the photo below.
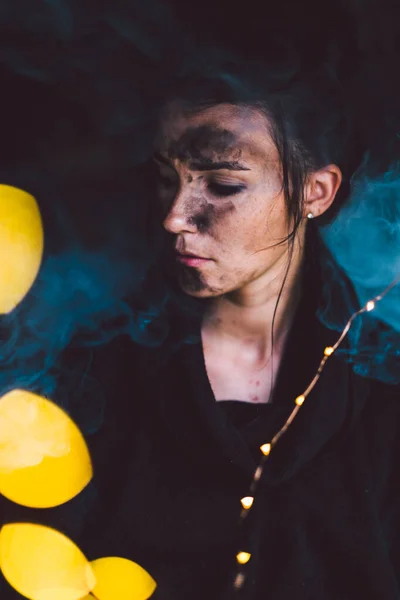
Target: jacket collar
(189, 409)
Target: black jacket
(171, 464)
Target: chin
(199, 293)
(196, 286)
(203, 292)
(194, 283)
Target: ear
(321, 190)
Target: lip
(191, 260)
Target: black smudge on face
(209, 214)
(191, 279)
(204, 219)
(202, 143)
(205, 143)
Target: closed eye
(167, 178)
(219, 189)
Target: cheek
(269, 216)
(261, 226)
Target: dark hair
(292, 63)
(310, 120)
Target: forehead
(223, 130)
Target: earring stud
(310, 215)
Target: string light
(242, 557)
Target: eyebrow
(205, 164)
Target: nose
(179, 218)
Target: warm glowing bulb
(44, 459)
(21, 245)
(247, 502)
(265, 449)
(243, 557)
(122, 579)
(43, 564)
(299, 400)
(328, 351)
(370, 305)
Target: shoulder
(380, 423)
(383, 403)
(381, 414)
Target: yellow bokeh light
(44, 460)
(121, 578)
(43, 564)
(21, 245)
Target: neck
(242, 320)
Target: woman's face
(220, 190)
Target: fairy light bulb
(370, 305)
(265, 449)
(328, 351)
(247, 502)
(243, 557)
(300, 399)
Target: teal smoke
(364, 241)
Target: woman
(221, 189)
(241, 186)
(247, 165)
